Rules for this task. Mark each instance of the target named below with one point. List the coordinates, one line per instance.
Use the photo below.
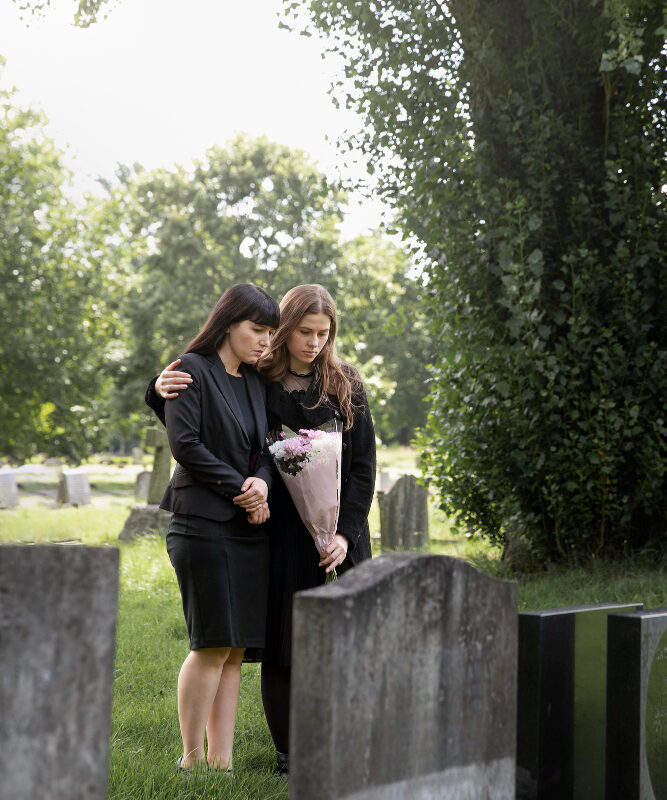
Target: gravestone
(137, 455)
(57, 631)
(73, 489)
(562, 702)
(157, 438)
(141, 485)
(404, 684)
(637, 706)
(404, 515)
(387, 479)
(147, 517)
(9, 492)
(144, 520)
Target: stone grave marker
(137, 455)
(387, 479)
(404, 684)
(9, 492)
(141, 485)
(637, 706)
(562, 702)
(73, 489)
(157, 438)
(404, 515)
(57, 634)
(148, 517)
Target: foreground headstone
(57, 629)
(404, 684)
(637, 706)
(73, 489)
(157, 438)
(404, 515)
(9, 492)
(562, 702)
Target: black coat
(208, 439)
(358, 467)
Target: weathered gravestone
(404, 684)
(73, 489)
(637, 706)
(144, 520)
(157, 438)
(149, 518)
(404, 515)
(57, 627)
(141, 485)
(9, 492)
(387, 479)
(562, 702)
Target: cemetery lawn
(152, 641)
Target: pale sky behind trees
(160, 81)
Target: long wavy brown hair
(337, 380)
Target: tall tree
(523, 143)
(52, 326)
(250, 212)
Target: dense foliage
(523, 143)
(260, 212)
(52, 329)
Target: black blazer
(209, 441)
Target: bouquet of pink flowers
(309, 464)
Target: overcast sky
(160, 81)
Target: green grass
(152, 642)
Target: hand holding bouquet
(309, 464)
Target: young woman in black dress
(307, 385)
(216, 541)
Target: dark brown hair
(337, 379)
(239, 302)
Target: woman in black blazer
(217, 542)
(307, 386)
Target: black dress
(293, 565)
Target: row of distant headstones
(413, 677)
(402, 501)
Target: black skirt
(223, 574)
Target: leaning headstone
(404, 515)
(157, 438)
(57, 631)
(9, 492)
(143, 520)
(637, 706)
(404, 684)
(73, 489)
(141, 485)
(562, 701)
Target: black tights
(275, 699)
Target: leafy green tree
(385, 333)
(52, 328)
(255, 211)
(523, 143)
(84, 12)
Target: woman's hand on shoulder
(335, 553)
(170, 381)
